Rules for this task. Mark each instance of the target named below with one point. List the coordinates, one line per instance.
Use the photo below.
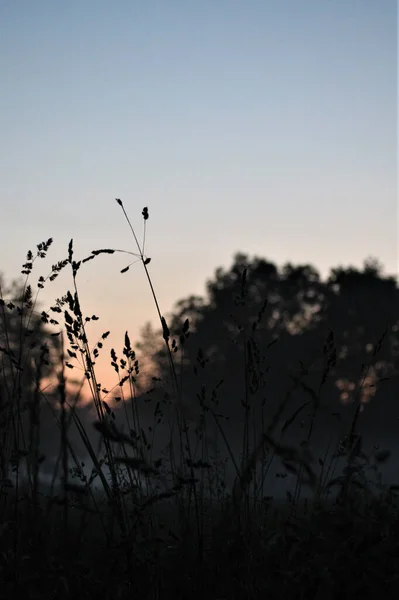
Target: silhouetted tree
(29, 353)
(260, 327)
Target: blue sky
(267, 127)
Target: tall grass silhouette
(155, 524)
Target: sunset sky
(267, 127)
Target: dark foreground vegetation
(278, 376)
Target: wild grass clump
(137, 518)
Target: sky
(265, 127)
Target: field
(157, 525)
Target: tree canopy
(28, 354)
(260, 327)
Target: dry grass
(160, 525)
